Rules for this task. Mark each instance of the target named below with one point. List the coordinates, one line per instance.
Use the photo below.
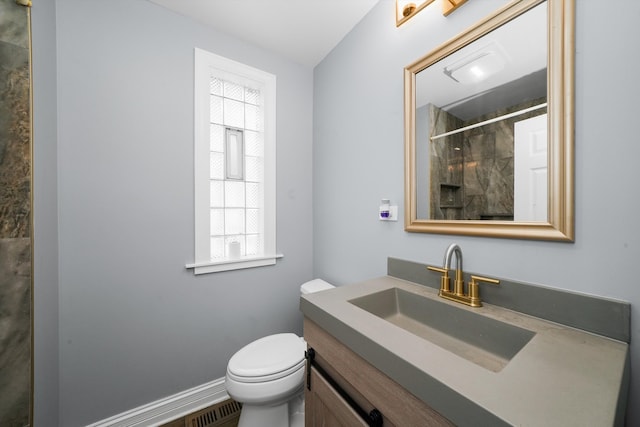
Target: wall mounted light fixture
(449, 6)
(406, 9)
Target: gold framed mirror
(468, 102)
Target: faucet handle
(473, 288)
(445, 283)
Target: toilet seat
(268, 359)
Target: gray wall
(134, 324)
(45, 215)
(113, 191)
(358, 159)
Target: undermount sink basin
(482, 340)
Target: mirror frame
(560, 129)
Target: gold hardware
(445, 281)
(458, 283)
(448, 6)
(474, 296)
(471, 299)
(408, 9)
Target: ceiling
(522, 45)
(304, 31)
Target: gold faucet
(472, 298)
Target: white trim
(204, 63)
(201, 162)
(170, 408)
(233, 264)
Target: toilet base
(289, 413)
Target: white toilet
(267, 376)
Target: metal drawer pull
(373, 418)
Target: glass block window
(236, 173)
(234, 165)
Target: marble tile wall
(446, 172)
(472, 172)
(15, 216)
(489, 164)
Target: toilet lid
(268, 358)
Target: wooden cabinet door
(369, 387)
(324, 407)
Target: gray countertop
(562, 377)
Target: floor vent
(224, 414)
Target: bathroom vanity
(394, 345)
(370, 388)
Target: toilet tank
(315, 285)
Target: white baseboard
(170, 408)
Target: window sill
(233, 264)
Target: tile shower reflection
(472, 172)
